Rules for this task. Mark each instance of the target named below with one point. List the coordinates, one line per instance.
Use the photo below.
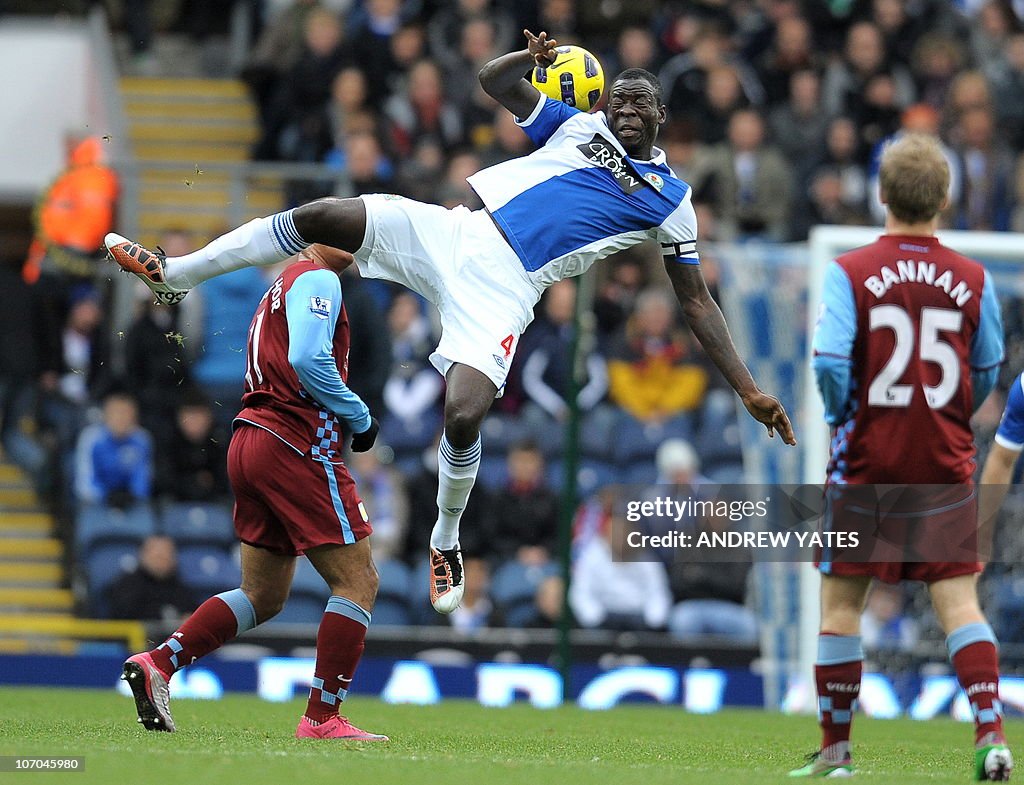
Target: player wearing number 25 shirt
(907, 346)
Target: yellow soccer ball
(575, 78)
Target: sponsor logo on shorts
(320, 307)
(499, 360)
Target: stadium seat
(393, 596)
(513, 589)
(718, 439)
(388, 612)
(410, 436)
(639, 441)
(727, 474)
(198, 524)
(104, 564)
(307, 581)
(641, 473)
(501, 431)
(97, 524)
(591, 475)
(208, 569)
(493, 471)
(300, 609)
(597, 433)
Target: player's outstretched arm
(708, 324)
(503, 77)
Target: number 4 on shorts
(507, 345)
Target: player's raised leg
(349, 571)
(469, 397)
(837, 674)
(973, 651)
(340, 223)
(266, 578)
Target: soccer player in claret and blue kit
(596, 184)
(907, 346)
(293, 495)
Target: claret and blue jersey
(579, 198)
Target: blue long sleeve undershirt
(313, 303)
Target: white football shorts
(459, 261)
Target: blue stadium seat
(193, 523)
(97, 524)
(639, 441)
(590, 476)
(106, 563)
(410, 436)
(597, 433)
(640, 473)
(419, 595)
(307, 581)
(208, 569)
(300, 609)
(388, 612)
(727, 474)
(501, 431)
(513, 589)
(493, 471)
(718, 439)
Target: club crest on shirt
(320, 307)
(655, 180)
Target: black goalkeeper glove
(361, 442)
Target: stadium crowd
(777, 111)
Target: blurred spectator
(153, 591)
(296, 125)
(864, 57)
(558, 18)
(616, 297)
(155, 358)
(937, 60)
(277, 50)
(710, 596)
(79, 372)
(476, 47)
(382, 489)
(750, 182)
(546, 363)
(371, 27)
(369, 172)
(407, 47)
(798, 126)
(194, 462)
(828, 201)
(451, 21)
(654, 370)
(987, 166)
(880, 114)
(723, 96)
(509, 140)
(607, 591)
(413, 386)
(420, 175)
(884, 624)
(423, 112)
(678, 463)
(897, 28)
(791, 52)
(114, 457)
(349, 98)
(523, 516)
(636, 47)
(71, 217)
(995, 22)
(476, 608)
(679, 141)
(969, 90)
(454, 189)
(1008, 91)
(549, 599)
(843, 158)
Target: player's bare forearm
(708, 324)
(502, 79)
(995, 481)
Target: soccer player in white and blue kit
(595, 185)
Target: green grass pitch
(242, 739)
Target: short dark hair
(645, 75)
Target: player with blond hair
(907, 346)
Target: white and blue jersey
(579, 197)
(1011, 428)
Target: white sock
(456, 474)
(260, 242)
